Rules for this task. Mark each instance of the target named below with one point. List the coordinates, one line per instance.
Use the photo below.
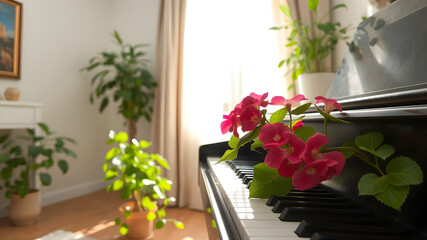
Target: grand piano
(382, 86)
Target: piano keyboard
(316, 214)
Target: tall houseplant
(126, 76)
(138, 175)
(19, 165)
(310, 43)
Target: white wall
(356, 9)
(58, 39)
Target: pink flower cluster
(246, 114)
(291, 156)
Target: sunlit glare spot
(103, 225)
(188, 238)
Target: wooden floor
(93, 216)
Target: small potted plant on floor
(138, 175)
(20, 165)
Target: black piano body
(382, 86)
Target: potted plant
(123, 77)
(19, 167)
(310, 45)
(138, 175)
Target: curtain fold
(169, 132)
(300, 11)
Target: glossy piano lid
(387, 57)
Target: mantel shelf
(18, 115)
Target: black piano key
(274, 199)
(246, 179)
(297, 214)
(281, 204)
(243, 173)
(307, 229)
(311, 194)
(350, 236)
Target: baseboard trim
(64, 194)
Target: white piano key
(253, 217)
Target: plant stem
(290, 122)
(325, 122)
(360, 155)
(137, 199)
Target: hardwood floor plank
(93, 215)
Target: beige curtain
(300, 11)
(169, 135)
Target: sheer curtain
(228, 53)
(225, 52)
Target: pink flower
(250, 118)
(255, 100)
(297, 125)
(278, 100)
(330, 104)
(231, 123)
(273, 135)
(319, 166)
(287, 160)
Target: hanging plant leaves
(267, 182)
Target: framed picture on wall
(10, 38)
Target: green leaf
(275, 28)
(371, 184)
(305, 132)
(117, 184)
(404, 171)
(280, 64)
(285, 10)
(256, 144)
(112, 153)
(267, 182)
(384, 151)
(290, 44)
(393, 196)
(151, 216)
(34, 151)
(230, 154)
(70, 153)
(278, 116)
(3, 138)
(370, 141)
(349, 153)
(104, 104)
(178, 224)
(124, 229)
(160, 223)
(121, 137)
(44, 127)
(161, 160)
(234, 141)
(117, 36)
(110, 175)
(312, 5)
(338, 6)
(117, 221)
(4, 157)
(329, 117)
(45, 178)
(301, 109)
(147, 203)
(144, 144)
(6, 173)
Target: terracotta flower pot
(139, 226)
(25, 211)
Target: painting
(10, 38)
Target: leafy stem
(359, 154)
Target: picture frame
(10, 38)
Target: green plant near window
(311, 43)
(125, 74)
(138, 175)
(41, 154)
